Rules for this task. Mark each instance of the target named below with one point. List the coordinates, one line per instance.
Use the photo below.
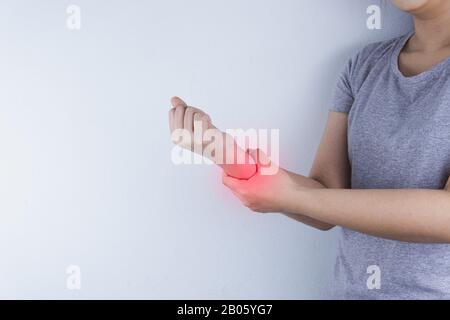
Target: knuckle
(197, 110)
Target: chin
(412, 5)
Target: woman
(381, 169)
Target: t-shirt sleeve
(343, 98)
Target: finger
(179, 117)
(207, 123)
(263, 158)
(232, 183)
(260, 157)
(177, 102)
(171, 119)
(189, 119)
(198, 128)
(253, 154)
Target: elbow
(325, 227)
(444, 238)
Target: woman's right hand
(183, 117)
(195, 123)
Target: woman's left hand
(263, 193)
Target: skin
(191, 119)
(431, 42)
(324, 198)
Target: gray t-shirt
(398, 137)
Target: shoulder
(376, 50)
(373, 57)
(373, 53)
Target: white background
(85, 171)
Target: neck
(432, 28)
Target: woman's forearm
(411, 215)
(308, 183)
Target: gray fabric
(399, 137)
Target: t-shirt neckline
(427, 74)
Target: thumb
(175, 101)
(230, 182)
(260, 157)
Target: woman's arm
(188, 127)
(410, 215)
(315, 223)
(331, 168)
(415, 215)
